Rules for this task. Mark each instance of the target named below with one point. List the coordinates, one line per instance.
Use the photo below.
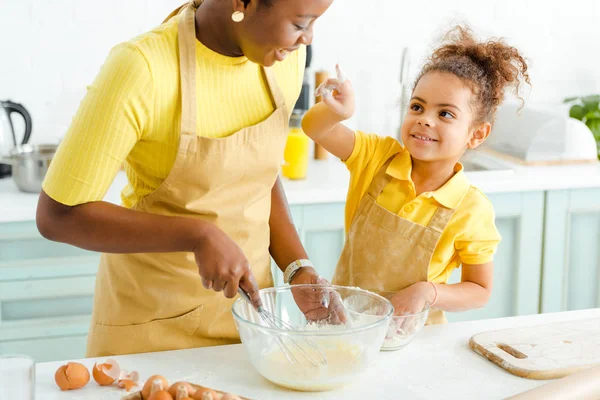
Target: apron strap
(440, 219)
(276, 93)
(381, 179)
(187, 68)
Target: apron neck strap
(381, 179)
(187, 68)
(276, 93)
(187, 71)
(440, 219)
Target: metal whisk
(310, 352)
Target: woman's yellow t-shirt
(131, 114)
(470, 237)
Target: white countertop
(437, 364)
(327, 181)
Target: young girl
(412, 216)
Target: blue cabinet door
(322, 233)
(321, 230)
(46, 292)
(518, 261)
(571, 272)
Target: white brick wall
(50, 50)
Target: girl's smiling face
(439, 124)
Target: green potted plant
(587, 110)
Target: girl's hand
(338, 95)
(413, 299)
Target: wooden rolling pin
(582, 385)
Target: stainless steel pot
(29, 165)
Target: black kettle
(8, 137)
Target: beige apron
(384, 252)
(154, 302)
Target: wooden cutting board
(543, 351)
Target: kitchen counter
(437, 364)
(327, 182)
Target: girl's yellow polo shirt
(470, 237)
(131, 114)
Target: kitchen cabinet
(571, 267)
(321, 230)
(46, 292)
(518, 261)
(548, 260)
(46, 288)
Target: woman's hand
(319, 304)
(223, 266)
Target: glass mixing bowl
(287, 357)
(403, 328)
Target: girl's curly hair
(488, 68)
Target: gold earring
(237, 16)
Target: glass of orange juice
(295, 155)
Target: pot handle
(19, 109)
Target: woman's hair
(487, 68)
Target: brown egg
(160, 395)
(161, 384)
(206, 394)
(101, 372)
(188, 390)
(72, 376)
(229, 396)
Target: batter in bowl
(344, 360)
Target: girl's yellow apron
(384, 252)
(153, 302)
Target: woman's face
(269, 33)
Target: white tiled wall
(51, 49)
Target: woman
(197, 110)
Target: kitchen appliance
(8, 137)
(544, 351)
(536, 136)
(29, 165)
